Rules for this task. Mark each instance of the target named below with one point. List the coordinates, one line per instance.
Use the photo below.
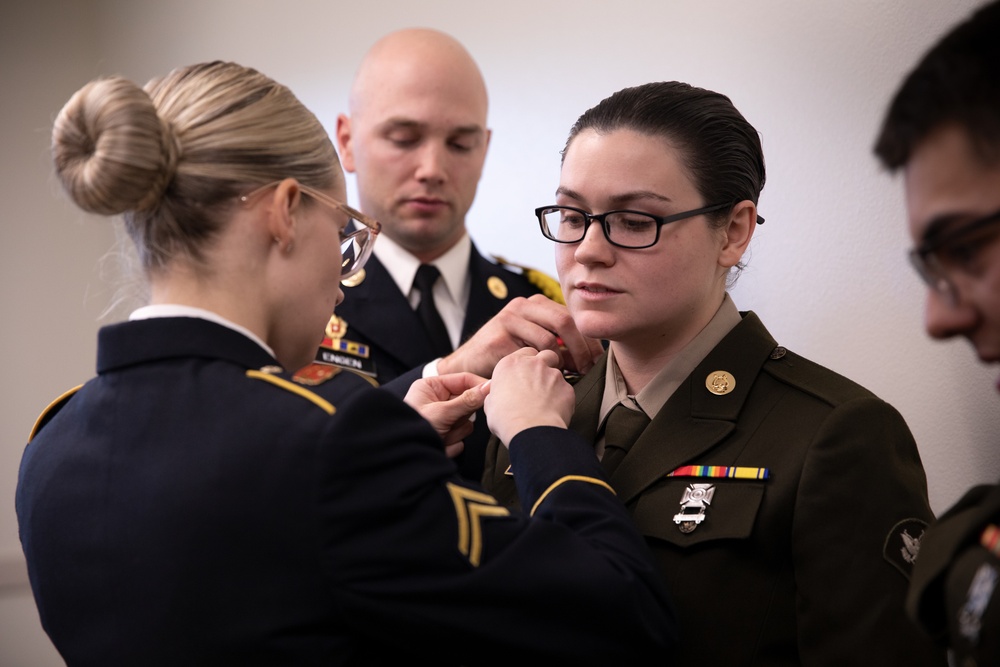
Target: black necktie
(622, 429)
(427, 275)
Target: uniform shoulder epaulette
(50, 411)
(814, 378)
(546, 283)
(269, 374)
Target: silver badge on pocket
(697, 498)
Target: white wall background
(827, 272)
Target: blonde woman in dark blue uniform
(193, 505)
(783, 502)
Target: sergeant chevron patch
(470, 507)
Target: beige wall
(827, 271)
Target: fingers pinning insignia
(902, 544)
(470, 508)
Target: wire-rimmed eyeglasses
(625, 229)
(944, 253)
(355, 247)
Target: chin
(596, 325)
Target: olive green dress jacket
(954, 593)
(805, 560)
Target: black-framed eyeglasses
(356, 246)
(943, 253)
(625, 229)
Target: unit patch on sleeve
(902, 544)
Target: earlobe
(739, 231)
(344, 143)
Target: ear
(739, 231)
(344, 146)
(489, 135)
(285, 204)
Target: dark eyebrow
(619, 199)
(408, 124)
(941, 229)
(938, 226)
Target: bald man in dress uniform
(416, 139)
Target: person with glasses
(942, 132)
(416, 139)
(783, 502)
(194, 505)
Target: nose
(944, 319)
(595, 248)
(431, 161)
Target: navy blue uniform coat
(807, 567)
(191, 506)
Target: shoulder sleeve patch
(902, 544)
(50, 411)
(294, 388)
(546, 283)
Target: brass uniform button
(355, 280)
(497, 287)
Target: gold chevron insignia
(470, 508)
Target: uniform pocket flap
(689, 511)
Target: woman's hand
(447, 402)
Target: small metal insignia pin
(720, 382)
(497, 287)
(697, 498)
(336, 327)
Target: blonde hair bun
(112, 152)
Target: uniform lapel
(484, 302)
(589, 394)
(377, 300)
(695, 420)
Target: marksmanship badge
(697, 498)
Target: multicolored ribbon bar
(740, 472)
(991, 539)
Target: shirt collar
(654, 396)
(402, 266)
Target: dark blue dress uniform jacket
(955, 592)
(807, 567)
(380, 316)
(192, 506)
